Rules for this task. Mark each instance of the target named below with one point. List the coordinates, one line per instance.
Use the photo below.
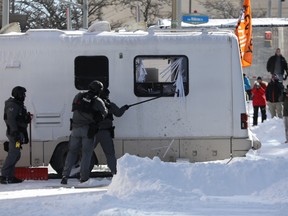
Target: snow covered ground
(254, 185)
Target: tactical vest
(84, 103)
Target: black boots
(83, 180)
(10, 180)
(64, 180)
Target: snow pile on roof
(99, 26)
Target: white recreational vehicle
(199, 113)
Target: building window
(161, 76)
(90, 68)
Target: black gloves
(28, 118)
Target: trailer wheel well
(59, 155)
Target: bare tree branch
(52, 13)
(226, 9)
(149, 9)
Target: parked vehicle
(199, 114)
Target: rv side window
(90, 68)
(160, 76)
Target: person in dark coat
(274, 93)
(88, 109)
(285, 113)
(105, 133)
(17, 119)
(277, 64)
(259, 100)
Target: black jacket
(16, 117)
(271, 64)
(274, 91)
(113, 109)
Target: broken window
(161, 76)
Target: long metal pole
(144, 101)
(85, 14)
(5, 12)
(30, 142)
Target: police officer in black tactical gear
(88, 109)
(105, 133)
(17, 119)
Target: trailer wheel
(58, 158)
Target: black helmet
(18, 93)
(95, 87)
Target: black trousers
(255, 114)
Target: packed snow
(253, 185)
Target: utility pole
(68, 17)
(190, 6)
(85, 14)
(137, 13)
(176, 14)
(269, 8)
(279, 8)
(5, 12)
(84, 9)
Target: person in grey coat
(105, 133)
(17, 119)
(88, 109)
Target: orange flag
(243, 32)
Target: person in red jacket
(259, 100)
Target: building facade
(270, 8)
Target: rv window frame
(159, 85)
(98, 71)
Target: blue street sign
(195, 18)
